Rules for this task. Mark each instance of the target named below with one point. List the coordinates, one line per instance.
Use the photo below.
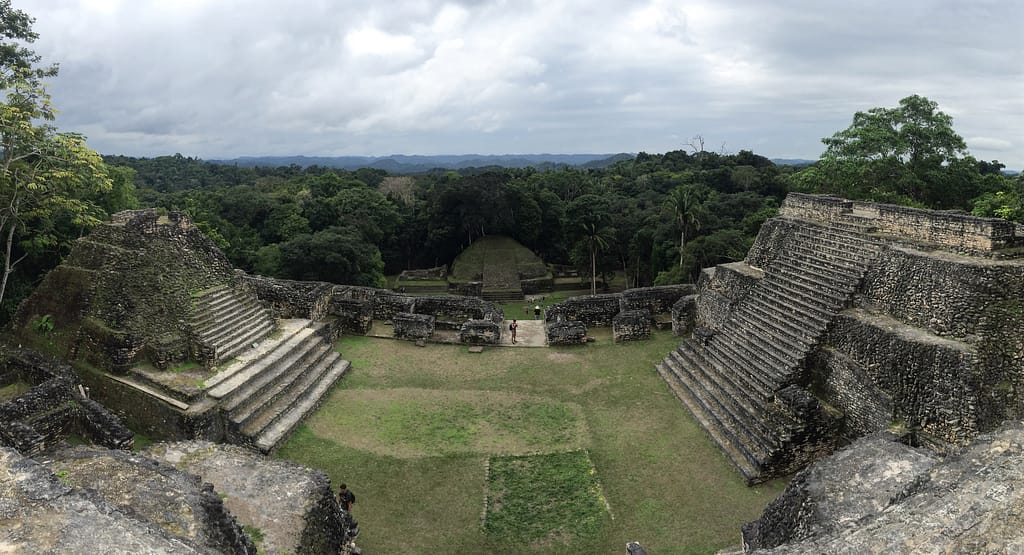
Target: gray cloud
(217, 78)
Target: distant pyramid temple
(850, 317)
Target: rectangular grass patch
(543, 499)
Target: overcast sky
(223, 78)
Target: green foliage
(43, 324)
(908, 155)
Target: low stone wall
(656, 300)
(566, 332)
(413, 326)
(814, 207)
(592, 310)
(480, 332)
(291, 299)
(631, 325)
(54, 408)
(457, 308)
(425, 274)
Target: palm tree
(688, 203)
(597, 239)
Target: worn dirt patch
(563, 357)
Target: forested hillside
(355, 227)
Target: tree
(908, 154)
(687, 204)
(44, 174)
(587, 218)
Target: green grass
(411, 430)
(544, 500)
(493, 252)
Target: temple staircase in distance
(736, 382)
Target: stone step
(226, 333)
(213, 299)
(817, 302)
(256, 367)
(828, 266)
(843, 262)
(749, 444)
(297, 388)
(819, 268)
(798, 270)
(793, 328)
(729, 363)
(749, 323)
(226, 323)
(814, 321)
(812, 286)
(746, 468)
(245, 340)
(288, 329)
(272, 437)
(744, 410)
(766, 339)
(274, 378)
(205, 317)
(840, 247)
(764, 366)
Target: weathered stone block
(655, 300)
(480, 332)
(355, 315)
(566, 332)
(413, 326)
(684, 315)
(631, 325)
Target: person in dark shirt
(345, 498)
(513, 327)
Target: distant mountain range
(405, 164)
(400, 163)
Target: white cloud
(232, 77)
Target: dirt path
(530, 333)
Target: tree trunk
(593, 269)
(682, 241)
(7, 261)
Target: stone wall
(720, 289)
(566, 332)
(951, 230)
(931, 381)
(54, 408)
(291, 299)
(355, 315)
(413, 326)
(631, 325)
(592, 310)
(655, 300)
(480, 332)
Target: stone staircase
(264, 398)
(733, 382)
(501, 284)
(228, 321)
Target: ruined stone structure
(848, 317)
(54, 408)
(630, 313)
